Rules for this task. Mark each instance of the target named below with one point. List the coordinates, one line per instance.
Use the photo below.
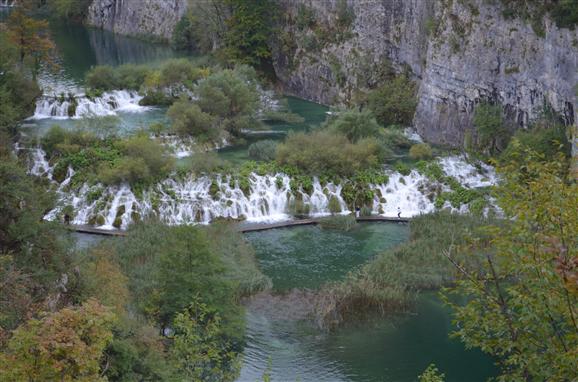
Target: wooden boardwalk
(242, 227)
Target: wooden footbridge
(242, 227)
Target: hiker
(357, 211)
(398, 213)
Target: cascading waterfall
(7, 3)
(403, 192)
(39, 164)
(257, 198)
(79, 106)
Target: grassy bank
(390, 282)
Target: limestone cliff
(461, 53)
(150, 18)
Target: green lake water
(392, 349)
(284, 343)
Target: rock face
(460, 52)
(156, 18)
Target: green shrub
(228, 93)
(334, 206)
(365, 211)
(355, 125)
(492, 132)
(263, 150)
(420, 151)
(325, 153)
(338, 222)
(130, 76)
(394, 138)
(207, 163)
(403, 168)
(189, 120)
(131, 170)
(105, 78)
(179, 71)
(101, 78)
(394, 102)
(546, 141)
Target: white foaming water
(468, 174)
(40, 166)
(108, 104)
(318, 201)
(266, 198)
(203, 199)
(403, 192)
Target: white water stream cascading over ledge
(80, 106)
(265, 198)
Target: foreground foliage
(66, 345)
(522, 302)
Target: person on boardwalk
(398, 213)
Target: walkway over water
(244, 227)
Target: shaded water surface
(281, 340)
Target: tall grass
(390, 282)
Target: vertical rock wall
(461, 53)
(150, 18)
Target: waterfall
(481, 175)
(7, 3)
(256, 198)
(40, 166)
(403, 192)
(82, 106)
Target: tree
(521, 306)
(394, 102)
(431, 374)
(70, 9)
(66, 345)
(355, 125)
(198, 345)
(249, 29)
(31, 38)
(492, 132)
(189, 120)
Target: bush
(394, 102)
(339, 222)
(101, 78)
(547, 142)
(492, 132)
(263, 150)
(394, 138)
(355, 125)
(325, 153)
(189, 120)
(131, 170)
(334, 206)
(152, 153)
(228, 93)
(420, 151)
(207, 163)
(130, 76)
(179, 71)
(105, 78)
